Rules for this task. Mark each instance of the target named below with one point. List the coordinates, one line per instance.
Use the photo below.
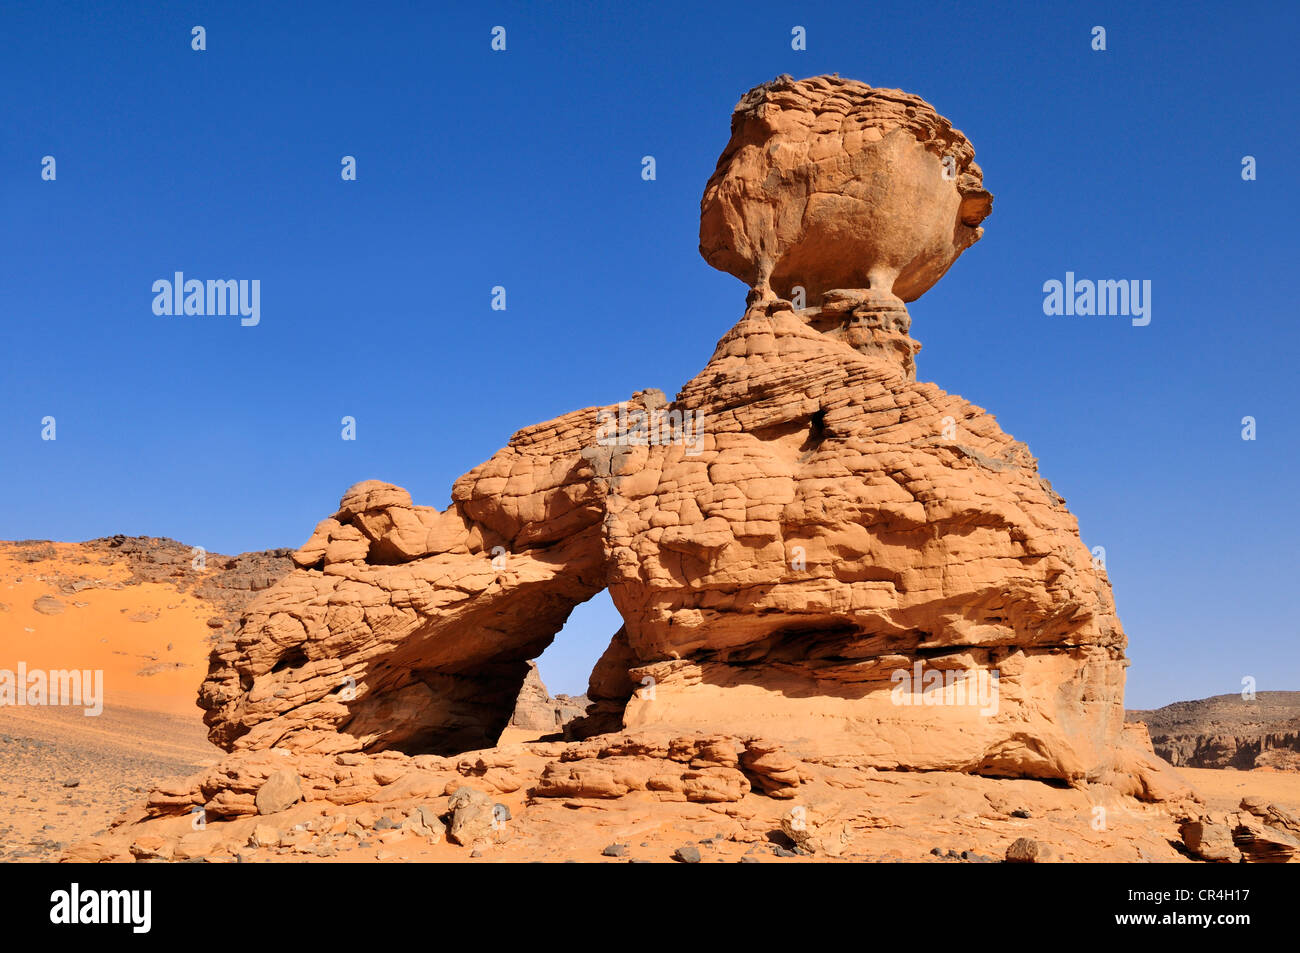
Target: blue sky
(522, 169)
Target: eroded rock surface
(653, 794)
(537, 710)
(1228, 731)
(807, 545)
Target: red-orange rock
(806, 545)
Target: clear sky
(522, 169)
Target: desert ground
(69, 776)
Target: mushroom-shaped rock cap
(828, 183)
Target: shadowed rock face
(800, 544)
(405, 627)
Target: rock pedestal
(806, 544)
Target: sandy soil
(67, 774)
(1223, 790)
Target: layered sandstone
(1228, 731)
(811, 550)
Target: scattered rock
(279, 792)
(48, 605)
(1026, 850)
(472, 817)
(1210, 841)
(264, 835)
(151, 848)
(817, 829)
(687, 854)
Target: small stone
(280, 791)
(687, 854)
(264, 835)
(1026, 850)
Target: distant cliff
(1226, 731)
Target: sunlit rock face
(806, 545)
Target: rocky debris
(1227, 731)
(1026, 850)
(1278, 759)
(1210, 841)
(687, 854)
(150, 848)
(1264, 843)
(425, 822)
(1260, 832)
(278, 792)
(474, 817)
(358, 806)
(34, 550)
(228, 582)
(817, 829)
(48, 605)
(265, 835)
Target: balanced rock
(807, 546)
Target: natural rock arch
(830, 525)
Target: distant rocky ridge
(1226, 731)
(537, 710)
(228, 582)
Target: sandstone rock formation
(829, 185)
(536, 710)
(1227, 731)
(1258, 832)
(814, 554)
(648, 793)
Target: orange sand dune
(149, 640)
